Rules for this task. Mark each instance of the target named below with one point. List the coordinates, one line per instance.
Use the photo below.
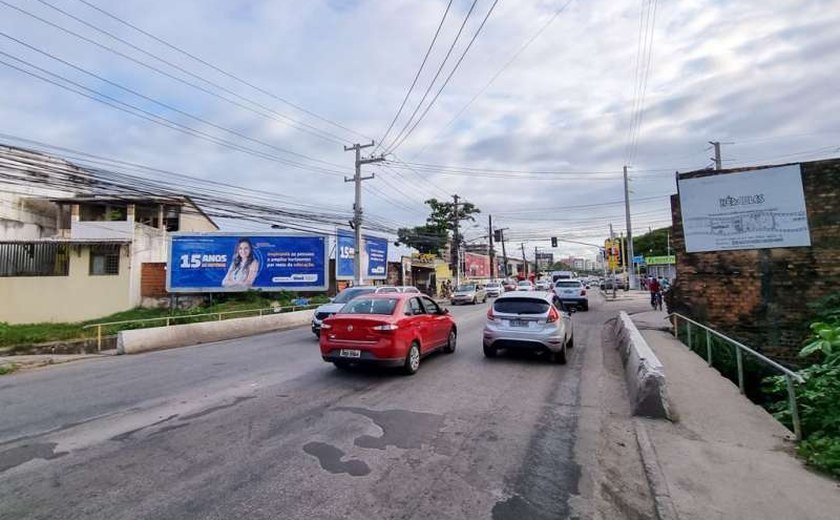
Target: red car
(394, 330)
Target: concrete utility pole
(716, 158)
(504, 252)
(456, 243)
(612, 242)
(631, 280)
(357, 205)
(536, 261)
(492, 251)
(524, 261)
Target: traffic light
(553, 241)
(497, 235)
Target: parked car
(525, 285)
(408, 289)
(534, 321)
(328, 309)
(395, 330)
(494, 289)
(469, 293)
(572, 292)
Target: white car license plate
(350, 353)
(518, 323)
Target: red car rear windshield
(370, 306)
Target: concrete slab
(725, 457)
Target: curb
(643, 372)
(662, 501)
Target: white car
(525, 285)
(494, 289)
(408, 289)
(572, 293)
(328, 309)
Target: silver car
(469, 293)
(494, 289)
(534, 321)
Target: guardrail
(740, 348)
(218, 315)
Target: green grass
(7, 369)
(31, 333)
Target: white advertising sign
(755, 209)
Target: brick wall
(760, 296)
(153, 279)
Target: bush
(822, 453)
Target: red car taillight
(583, 292)
(490, 315)
(553, 315)
(387, 326)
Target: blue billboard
(230, 262)
(374, 256)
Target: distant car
(534, 321)
(572, 292)
(407, 289)
(509, 285)
(494, 289)
(394, 330)
(542, 285)
(525, 285)
(328, 309)
(469, 293)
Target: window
(34, 259)
(414, 307)
(431, 306)
(370, 306)
(104, 260)
(521, 306)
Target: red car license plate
(350, 353)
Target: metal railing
(740, 348)
(218, 316)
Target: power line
(222, 71)
(448, 78)
(434, 79)
(416, 76)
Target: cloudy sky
(533, 127)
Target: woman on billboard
(244, 267)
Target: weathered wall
(76, 297)
(761, 296)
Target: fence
(210, 316)
(739, 351)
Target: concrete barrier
(143, 340)
(643, 371)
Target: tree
(560, 266)
(426, 239)
(653, 243)
(443, 213)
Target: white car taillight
(553, 316)
(387, 326)
(490, 315)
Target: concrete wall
(761, 296)
(76, 297)
(643, 372)
(193, 220)
(143, 340)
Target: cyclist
(655, 296)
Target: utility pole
(504, 251)
(536, 261)
(631, 279)
(716, 158)
(492, 251)
(524, 261)
(357, 205)
(455, 257)
(612, 242)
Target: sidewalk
(725, 457)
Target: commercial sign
(231, 262)
(374, 256)
(476, 265)
(661, 260)
(756, 209)
(613, 251)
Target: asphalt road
(261, 427)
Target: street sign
(661, 260)
(639, 260)
(233, 262)
(374, 256)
